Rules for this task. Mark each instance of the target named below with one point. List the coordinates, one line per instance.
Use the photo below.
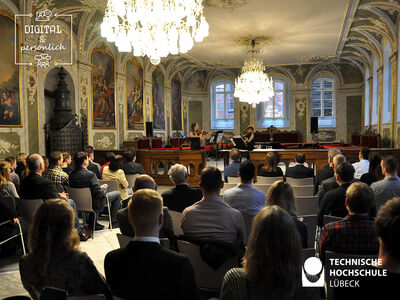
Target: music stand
(195, 143)
(238, 142)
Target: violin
(199, 132)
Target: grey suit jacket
(327, 185)
(385, 189)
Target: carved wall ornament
(244, 108)
(32, 86)
(301, 107)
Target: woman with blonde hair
(281, 193)
(272, 263)
(270, 168)
(55, 260)
(7, 188)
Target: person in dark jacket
(299, 171)
(94, 167)
(375, 171)
(130, 166)
(327, 171)
(330, 183)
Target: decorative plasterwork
(229, 4)
(320, 59)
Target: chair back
(233, 179)
(27, 208)
(306, 205)
(176, 221)
(268, 180)
(311, 222)
(8, 201)
(248, 224)
(227, 186)
(112, 185)
(330, 219)
(300, 181)
(303, 190)
(207, 278)
(131, 178)
(262, 187)
(82, 198)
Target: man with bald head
(330, 183)
(327, 171)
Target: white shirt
(361, 167)
(147, 239)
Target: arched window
(222, 105)
(366, 98)
(274, 111)
(387, 84)
(324, 100)
(375, 91)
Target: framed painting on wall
(103, 95)
(134, 96)
(158, 100)
(176, 104)
(10, 97)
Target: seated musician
(195, 132)
(248, 137)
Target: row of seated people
(271, 264)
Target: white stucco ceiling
(298, 28)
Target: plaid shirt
(57, 175)
(355, 234)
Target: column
(371, 98)
(380, 99)
(394, 76)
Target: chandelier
(154, 28)
(253, 85)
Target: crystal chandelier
(154, 27)
(253, 85)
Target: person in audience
(55, 260)
(143, 269)
(8, 214)
(233, 168)
(333, 202)
(362, 166)
(93, 166)
(109, 157)
(355, 234)
(7, 188)
(21, 169)
(46, 162)
(281, 194)
(130, 166)
(271, 269)
(299, 170)
(244, 197)
(331, 183)
(211, 217)
(66, 165)
(54, 172)
(182, 195)
(375, 171)
(35, 186)
(114, 172)
(81, 177)
(14, 178)
(270, 168)
(389, 187)
(327, 171)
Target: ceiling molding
(351, 10)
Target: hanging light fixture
(253, 85)
(154, 28)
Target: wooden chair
(233, 179)
(303, 191)
(27, 208)
(306, 205)
(112, 185)
(262, 187)
(207, 278)
(131, 179)
(176, 221)
(311, 222)
(267, 180)
(300, 181)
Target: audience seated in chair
(333, 202)
(114, 172)
(299, 170)
(327, 171)
(14, 178)
(281, 194)
(130, 166)
(145, 270)
(389, 187)
(331, 183)
(211, 217)
(109, 156)
(182, 195)
(355, 234)
(7, 188)
(54, 172)
(270, 168)
(93, 166)
(270, 270)
(232, 169)
(55, 260)
(362, 166)
(244, 197)
(375, 171)
(81, 177)
(66, 165)
(166, 230)
(8, 230)
(21, 170)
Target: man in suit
(330, 183)
(327, 171)
(232, 169)
(145, 270)
(81, 177)
(130, 166)
(299, 170)
(244, 197)
(35, 186)
(94, 167)
(166, 230)
(333, 202)
(182, 195)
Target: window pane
(328, 112)
(316, 95)
(328, 104)
(278, 105)
(316, 84)
(278, 85)
(268, 109)
(316, 104)
(316, 112)
(219, 88)
(328, 84)
(219, 106)
(229, 87)
(230, 111)
(328, 95)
